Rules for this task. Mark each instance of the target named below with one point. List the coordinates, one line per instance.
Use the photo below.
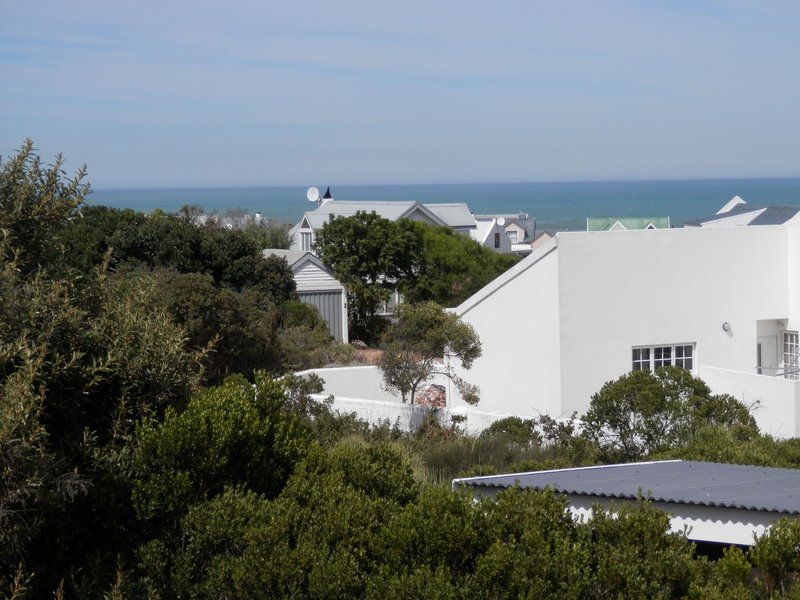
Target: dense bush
(642, 412)
(122, 476)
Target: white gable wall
(311, 278)
(664, 287)
(518, 326)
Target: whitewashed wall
(563, 321)
(630, 288)
(518, 372)
(778, 411)
(358, 390)
(793, 252)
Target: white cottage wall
(793, 252)
(663, 287)
(518, 329)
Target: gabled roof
(760, 215)
(445, 214)
(296, 258)
(391, 210)
(673, 481)
(519, 219)
(454, 214)
(608, 223)
(482, 231)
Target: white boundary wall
(359, 390)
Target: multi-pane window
(512, 236)
(791, 355)
(684, 356)
(305, 241)
(641, 359)
(650, 358)
(662, 356)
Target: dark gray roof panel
(681, 482)
(772, 215)
(775, 215)
(739, 209)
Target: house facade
(723, 302)
(317, 286)
(519, 228)
(490, 234)
(454, 215)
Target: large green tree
(372, 257)
(453, 267)
(230, 258)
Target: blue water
(557, 206)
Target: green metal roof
(606, 223)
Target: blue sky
(259, 93)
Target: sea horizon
(555, 205)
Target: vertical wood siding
(329, 305)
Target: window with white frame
(791, 355)
(650, 358)
(305, 240)
(512, 235)
(641, 359)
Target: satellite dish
(501, 221)
(312, 194)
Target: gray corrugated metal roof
(455, 214)
(679, 482)
(343, 208)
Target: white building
(490, 234)
(519, 228)
(317, 286)
(587, 307)
(454, 215)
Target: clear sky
(265, 92)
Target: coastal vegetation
(150, 448)
(374, 257)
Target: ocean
(556, 206)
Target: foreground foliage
(127, 473)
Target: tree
(453, 267)
(642, 412)
(231, 258)
(35, 203)
(416, 343)
(239, 327)
(372, 257)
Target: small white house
(317, 286)
(709, 502)
(587, 307)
